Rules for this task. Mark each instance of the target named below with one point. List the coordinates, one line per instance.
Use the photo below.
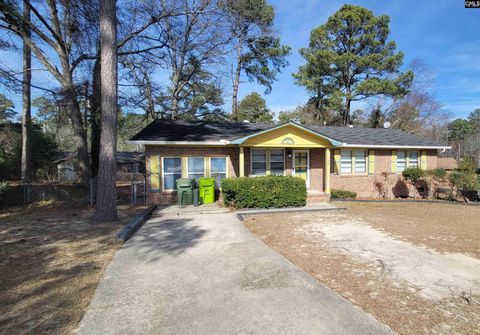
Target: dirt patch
(366, 263)
(51, 259)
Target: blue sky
(442, 33)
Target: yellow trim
(207, 166)
(267, 162)
(394, 161)
(154, 173)
(184, 163)
(241, 162)
(423, 160)
(336, 158)
(371, 161)
(327, 170)
(275, 138)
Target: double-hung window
(360, 161)
(172, 170)
(259, 162)
(346, 161)
(218, 169)
(401, 161)
(196, 167)
(277, 162)
(413, 159)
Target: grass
(51, 260)
(440, 227)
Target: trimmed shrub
(264, 192)
(343, 194)
(438, 173)
(413, 174)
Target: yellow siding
(242, 162)
(283, 137)
(336, 157)
(184, 162)
(423, 160)
(394, 161)
(371, 161)
(154, 171)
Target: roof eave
(381, 146)
(198, 143)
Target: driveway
(207, 274)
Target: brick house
(364, 160)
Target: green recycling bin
(207, 190)
(185, 191)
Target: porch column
(327, 170)
(241, 162)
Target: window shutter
(423, 160)
(394, 161)
(371, 161)
(336, 157)
(154, 172)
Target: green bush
(343, 194)
(438, 173)
(264, 192)
(465, 180)
(413, 174)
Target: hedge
(343, 194)
(264, 192)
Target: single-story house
(349, 158)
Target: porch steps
(317, 196)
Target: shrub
(465, 180)
(343, 194)
(437, 173)
(264, 192)
(413, 174)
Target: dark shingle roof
(208, 131)
(197, 131)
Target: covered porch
(289, 150)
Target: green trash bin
(185, 191)
(207, 190)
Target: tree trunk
(346, 119)
(95, 117)
(106, 205)
(236, 82)
(26, 100)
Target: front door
(301, 165)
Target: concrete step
(316, 196)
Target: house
(350, 158)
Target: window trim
(163, 172)
(210, 166)
(352, 159)
(267, 161)
(407, 159)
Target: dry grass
(51, 260)
(439, 226)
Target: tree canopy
(254, 109)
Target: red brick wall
(383, 182)
(317, 166)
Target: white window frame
(188, 166)
(210, 166)
(354, 162)
(409, 160)
(269, 163)
(169, 173)
(251, 161)
(342, 160)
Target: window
(196, 167)
(360, 161)
(277, 162)
(401, 161)
(172, 170)
(413, 159)
(259, 162)
(218, 169)
(346, 161)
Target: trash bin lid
(185, 182)
(205, 182)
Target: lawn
(51, 260)
(413, 266)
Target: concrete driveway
(207, 274)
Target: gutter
(219, 143)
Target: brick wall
(383, 182)
(317, 166)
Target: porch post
(241, 162)
(327, 170)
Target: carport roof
(222, 133)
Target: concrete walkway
(207, 274)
